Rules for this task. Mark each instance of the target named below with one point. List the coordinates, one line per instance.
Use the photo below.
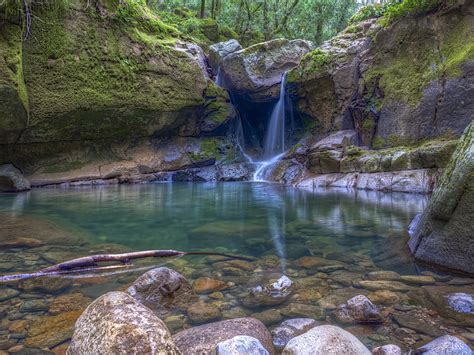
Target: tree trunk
(203, 8)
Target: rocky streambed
(213, 304)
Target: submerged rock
(162, 289)
(204, 338)
(325, 339)
(358, 309)
(290, 329)
(241, 344)
(208, 285)
(116, 323)
(276, 292)
(444, 233)
(461, 302)
(446, 344)
(12, 180)
(201, 312)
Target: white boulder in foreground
(325, 339)
(116, 323)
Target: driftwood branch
(92, 263)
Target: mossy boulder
(443, 235)
(92, 82)
(255, 72)
(401, 80)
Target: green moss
(367, 12)
(313, 63)
(456, 49)
(395, 10)
(378, 142)
(368, 124)
(210, 148)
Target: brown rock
(384, 297)
(162, 289)
(208, 285)
(49, 331)
(203, 339)
(69, 303)
(201, 312)
(309, 262)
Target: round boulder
(241, 344)
(256, 72)
(205, 338)
(218, 51)
(325, 339)
(446, 344)
(358, 309)
(162, 289)
(291, 328)
(116, 323)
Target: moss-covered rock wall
(95, 74)
(395, 81)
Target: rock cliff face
(404, 89)
(412, 79)
(443, 234)
(93, 83)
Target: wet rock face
(162, 289)
(205, 338)
(117, 323)
(255, 72)
(358, 309)
(325, 339)
(443, 234)
(12, 180)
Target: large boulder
(446, 344)
(256, 72)
(392, 91)
(12, 180)
(241, 344)
(162, 290)
(75, 105)
(325, 339)
(443, 234)
(218, 51)
(205, 338)
(291, 328)
(118, 324)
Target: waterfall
(274, 142)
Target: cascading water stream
(274, 142)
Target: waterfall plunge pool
(322, 240)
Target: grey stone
(387, 350)
(358, 309)
(461, 302)
(12, 180)
(241, 344)
(444, 235)
(290, 329)
(446, 344)
(218, 51)
(325, 339)
(204, 338)
(162, 289)
(116, 323)
(255, 72)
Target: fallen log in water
(91, 263)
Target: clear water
(274, 224)
(223, 216)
